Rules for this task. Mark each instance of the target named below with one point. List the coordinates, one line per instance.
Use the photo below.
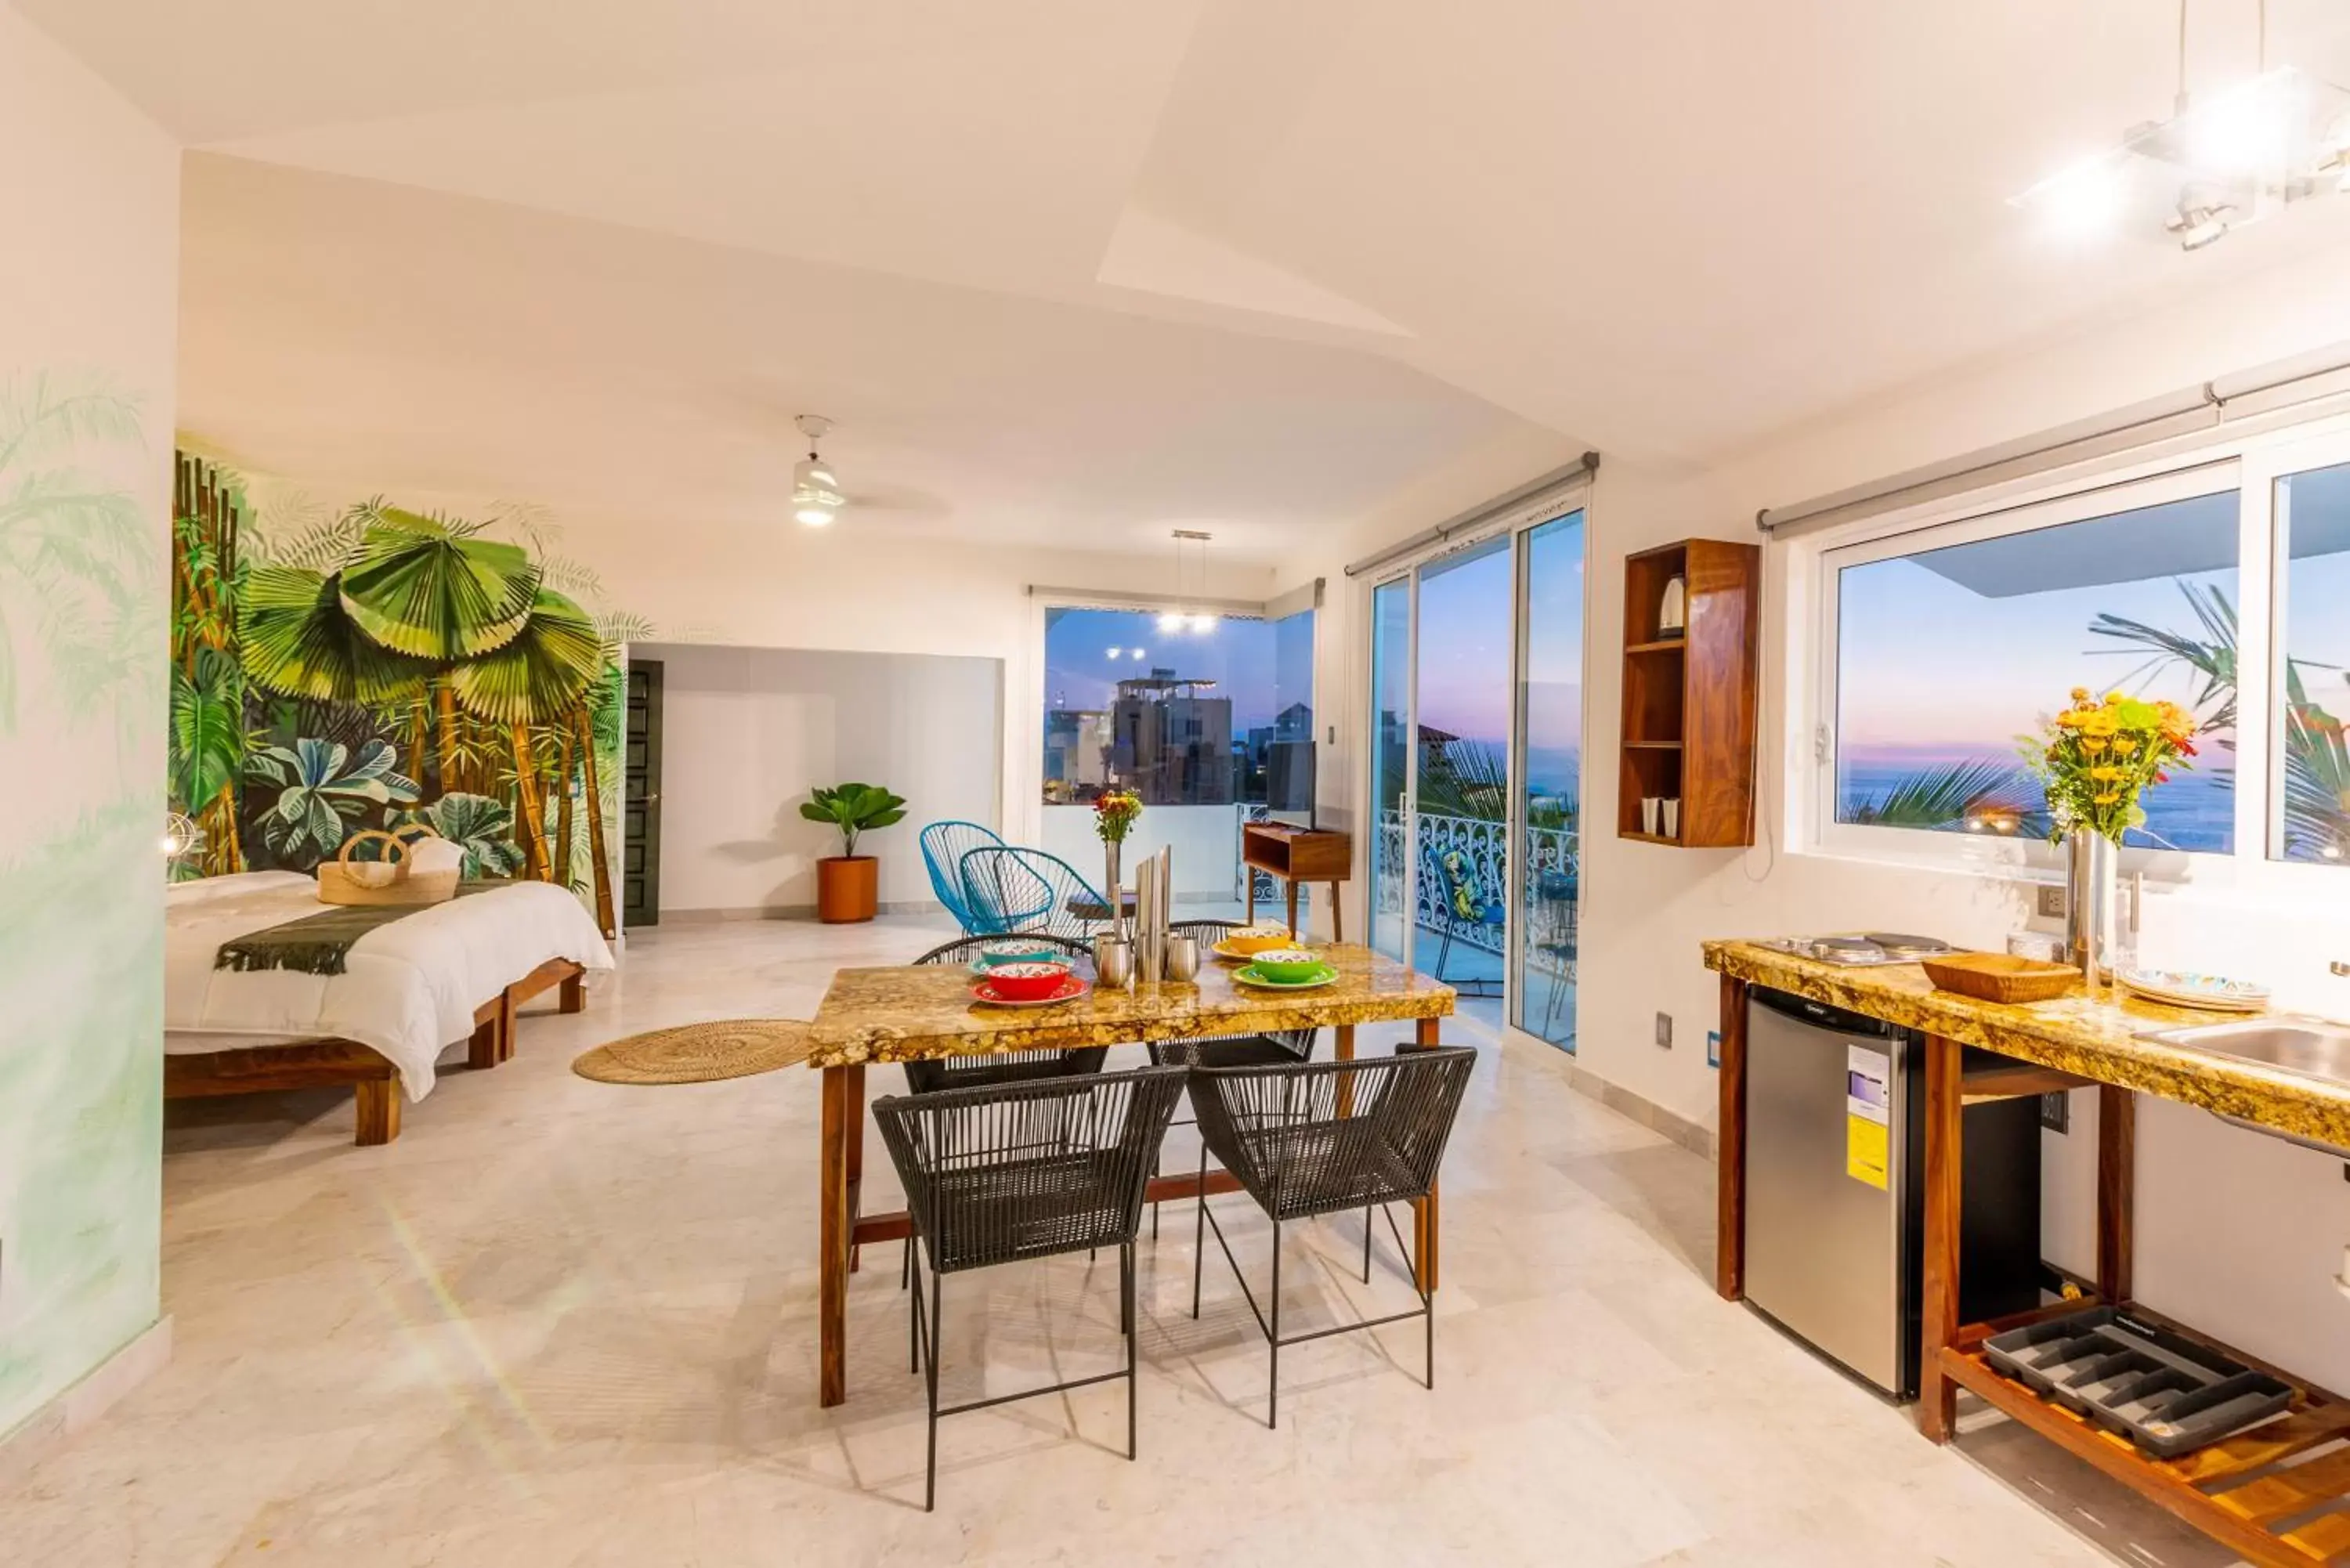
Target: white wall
(747, 733)
(2236, 1234)
(88, 302)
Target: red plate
(1069, 990)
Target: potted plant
(848, 885)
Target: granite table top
(917, 1011)
(2098, 1038)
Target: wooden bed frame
(328, 1064)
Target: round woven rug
(699, 1053)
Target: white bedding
(409, 988)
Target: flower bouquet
(1114, 814)
(2094, 760)
(2097, 757)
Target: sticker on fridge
(1867, 1099)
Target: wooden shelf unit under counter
(1690, 701)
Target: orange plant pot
(847, 889)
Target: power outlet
(1664, 1030)
(2056, 1112)
(2051, 900)
(1713, 1047)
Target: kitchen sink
(2312, 1047)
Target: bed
(409, 990)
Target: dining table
(918, 1011)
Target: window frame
(2252, 460)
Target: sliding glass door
(1550, 792)
(1476, 673)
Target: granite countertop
(2095, 1038)
(917, 1011)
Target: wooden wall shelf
(1690, 701)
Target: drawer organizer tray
(2164, 1392)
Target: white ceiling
(1124, 264)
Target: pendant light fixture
(1189, 614)
(816, 495)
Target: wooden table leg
(1426, 1031)
(2116, 1191)
(1730, 1147)
(1290, 889)
(844, 1105)
(856, 1165)
(1937, 1396)
(1248, 880)
(1337, 917)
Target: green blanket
(317, 944)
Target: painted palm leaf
(482, 826)
(1943, 797)
(207, 728)
(423, 587)
(323, 787)
(539, 675)
(297, 641)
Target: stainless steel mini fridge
(1834, 1150)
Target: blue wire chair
(1010, 888)
(944, 843)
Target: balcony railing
(1483, 847)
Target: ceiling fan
(816, 495)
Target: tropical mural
(375, 667)
(81, 922)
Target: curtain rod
(2199, 408)
(1582, 469)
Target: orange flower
(2080, 694)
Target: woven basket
(1999, 977)
(343, 880)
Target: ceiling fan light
(814, 516)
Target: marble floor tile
(566, 1322)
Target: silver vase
(1116, 931)
(2091, 875)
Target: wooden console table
(1292, 854)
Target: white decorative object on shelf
(1672, 614)
(1672, 814)
(1651, 814)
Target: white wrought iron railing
(1483, 847)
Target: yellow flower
(2125, 746)
(2080, 694)
(2068, 719)
(2104, 774)
(2110, 798)
(2094, 747)
(2113, 697)
(2101, 723)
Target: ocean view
(2194, 811)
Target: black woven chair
(1321, 1137)
(927, 1077)
(1012, 1171)
(1279, 1048)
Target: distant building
(1076, 753)
(1170, 744)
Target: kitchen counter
(2092, 1039)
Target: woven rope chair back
(1013, 889)
(1027, 1170)
(1325, 1136)
(944, 843)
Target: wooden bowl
(1999, 977)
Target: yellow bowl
(1249, 940)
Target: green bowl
(1012, 949)
(1288, 966)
